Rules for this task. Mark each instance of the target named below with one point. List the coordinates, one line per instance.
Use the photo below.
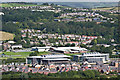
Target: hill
(6, 35)
(16, 4)
(106, 8)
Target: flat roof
(95, 54)
(95, 57)
(91, 54)
(41, 47)
(49, 56)
(58, 59)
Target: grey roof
(21, 70)
(14, 70)
(50, 56)
(53, 71)
(34, 70)
(58, 59)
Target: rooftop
(50, 56)
(92, 54)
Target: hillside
(6, 35)
(15, 5)
(106, 8)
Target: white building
(1, 13)
(16, 47)
(92, 57)
(41, 49)
(68, 49)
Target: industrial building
(68, 49)
(41, 49)
(60, 49)
(92, 57)
(48, 59)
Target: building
(41, 49)
(92, 57)
(48, 59)
(16, 47)
(68, 49)
(119, 67)
(1, 13)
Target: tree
(94, 42)
(17, 39)
(46, 4)
(73, 44)
(34, 53)
(67, 45)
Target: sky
(59, 0)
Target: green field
(23, 54)
(109, 8)
(15, 5)
(72, 54)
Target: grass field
(6, 36)
(22, 54)
(109, 8)
(72, 54)
(26, 54)
(15, 5)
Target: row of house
(57, 38)
(109, 11)
(46, 64)
(83, 16)
(29, 7)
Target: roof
(68, 48)
(92, 54)
(94, 57)
(47, 47)
(58, 59)
(50, 56)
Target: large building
(41, 49)
(92, 57)
(48, 59)
(68, 49)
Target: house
(11, 42)
(1, 13)
(76, 43)
(58, 20)
(16, 47)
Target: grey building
(48, 59)
(92, 57)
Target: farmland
(15, 5)
(6, 36)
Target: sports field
(20, 54)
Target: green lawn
(23, 54)
(71, 54)
(15, 5)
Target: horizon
(59, 1)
